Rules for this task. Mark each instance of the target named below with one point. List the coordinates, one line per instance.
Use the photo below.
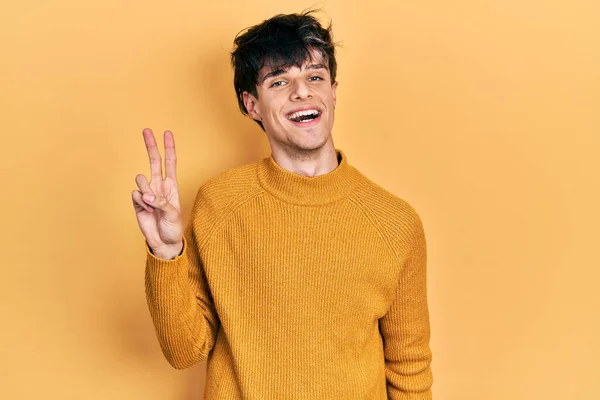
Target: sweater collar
(297, 189)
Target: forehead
(279, 64)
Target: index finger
(153, 154)
(170, 158)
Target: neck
(302, 190)
(309, 163)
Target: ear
(251, 104)
(333, 88)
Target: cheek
(275, 110)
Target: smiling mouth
(304, 116)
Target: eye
(278, 83)
(315, 78)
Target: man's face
(295, 105)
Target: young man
(296, 277)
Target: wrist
(168, 252)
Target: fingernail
(150, 198)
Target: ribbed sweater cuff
(166, 270)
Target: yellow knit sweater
(297, 288)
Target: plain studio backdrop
(484, 115)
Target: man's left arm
(405, 328)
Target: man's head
(284, 70)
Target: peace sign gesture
(156, 203)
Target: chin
(310, 145)
(303, 140)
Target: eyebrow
(280, 71)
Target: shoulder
(396, 219)
(382, 203)
(223, 193)
(230, 184)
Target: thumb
(148, 198)
(161, 203)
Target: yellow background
(484, 115)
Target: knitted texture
(297, 288)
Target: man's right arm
(178, 297)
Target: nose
(300, 90)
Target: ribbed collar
(297, 189)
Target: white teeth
(298, 114)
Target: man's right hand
(159, 217)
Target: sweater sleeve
(405, 328)
(180, 304)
